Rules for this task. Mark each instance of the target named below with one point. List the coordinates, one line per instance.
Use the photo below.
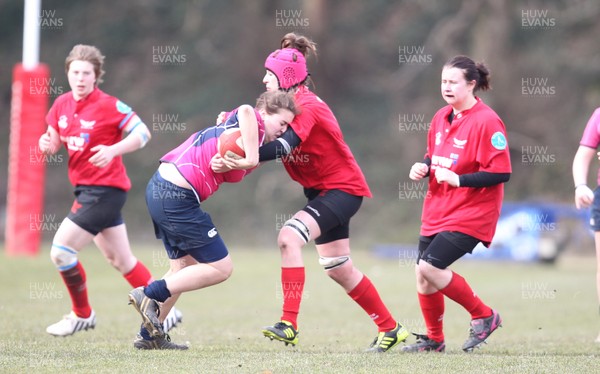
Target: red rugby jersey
(475, 141)
(323, 160)
(97, 119)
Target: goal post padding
(26, 164)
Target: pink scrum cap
(288, 65)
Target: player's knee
(224, 269)
(294, 233)
(421, 281)
(426, 271)
(111, 259)
(339, 269)
(418, 270)
(227, 271)
(63, 257)
(124, 264)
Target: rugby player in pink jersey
(584, 195)
(185, 178)
(315, 155)
(92, 124)
(467, 163)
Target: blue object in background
(534, 231)
(526, 231)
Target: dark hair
(300, 42)
(273, 101)
(472, 71)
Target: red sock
(368, 298)
(75, 281)
(138, 276)
(459, 290)
(432, 308)
(292, 286)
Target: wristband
(579, 185)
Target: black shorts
(332, 210)
(97, 207)
(442, 249)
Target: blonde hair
(90, 54)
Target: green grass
(550, 320)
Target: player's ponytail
(484, 77)
(478, 72)
(299, 42)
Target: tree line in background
(179, 64)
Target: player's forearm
(483, 179)
(249, 130)
(581, 164)
(131, 143)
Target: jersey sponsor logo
(438, 138)
(442, 161)
(212, 232)
(77, 143)
(459, 143)
(122, 107)
(62, 122)
(499, 141)
(87, 125)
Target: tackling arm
(280, 146)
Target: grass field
(550, 320)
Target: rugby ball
(230, 143)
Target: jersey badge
(122, 107)
(499, 141)
(62, 122)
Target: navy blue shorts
(442, 249)
(184, 228)
(332, 210)
(97, 207)
(595, 218)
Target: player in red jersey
(585, 196)
(315, 155)
(91, 125)
(467, 162)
